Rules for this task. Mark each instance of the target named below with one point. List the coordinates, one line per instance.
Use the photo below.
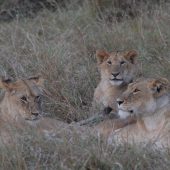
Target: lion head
(117, 67)
(144, 97)
(22, 98)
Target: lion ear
(131, 56)
(159, 86)
(6, 83)
(38, 80)
(101, 55)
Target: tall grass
(61, 47)
(32, 151)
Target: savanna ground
(60, 45)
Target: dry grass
(34, 152)
(61, 46)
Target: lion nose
(119, 101)
(35, 113)
(115, 74)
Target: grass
(34, 152)
(61, 47)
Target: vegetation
(61, 45)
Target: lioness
(20, 104)
(20, 107)
(149, 101)
(117, 70)
(22, 99)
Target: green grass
(61, 47)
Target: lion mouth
(131, 112)
(33, 118)
(125, 113)
(115, 79)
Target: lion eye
(109, 62)
(122, 62)
(136, 90)
(24, 99)
(37, 98)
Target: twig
(97, 118)
(92, 120)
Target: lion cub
(117, 70)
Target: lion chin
(116, 82)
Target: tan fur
(20, 109)
(108, 126)
(123, 65)
(149, 101)
(22, 99)
(20, 104)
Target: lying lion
(149, 101)
(21, 108)
(21, 99)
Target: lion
(22, 99)
(117, 70)
(21, 109)
(20, 104)
(149, 101)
